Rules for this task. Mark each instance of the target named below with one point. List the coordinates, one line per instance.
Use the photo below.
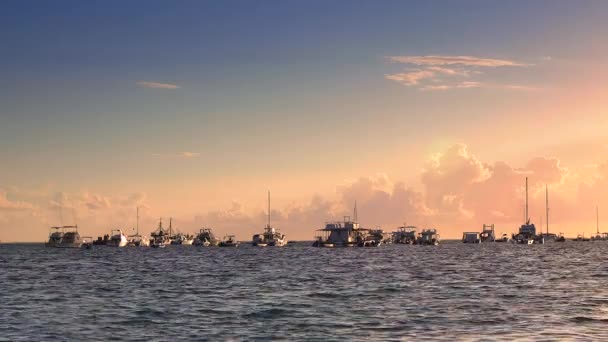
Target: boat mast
(527, 219)
(355, 213)
(137, 224)
(547, 206)
(268, 209)
(597, 219)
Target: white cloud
(189, 154)
(410, 78)
(157, 85)
(9, 205)
(435, 60)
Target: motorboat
(117, 239)
(64, 237)
(428, 237)
(270, 236)
(487, 233)
(470, 237)
(503, 238)
(206, 238)
(182, 239)
(405, 235)
(229, 241)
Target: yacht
(229, 241)
(65, 237)
(206, 238)
(428, 237)
(470, 237)
(161, 236)
(527, 231)
(340, 234)
(182, 239)
(117, 239)
(487, 233)
(137, 240)
(270, 237)
(373, 238)
(405, 235)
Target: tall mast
(137, 224)
(170, 226)
(268, 208)
(527, 218)
(355, 213)
(597, 219)
(547, 206)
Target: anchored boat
(270, 237)
(527, 231)
(137, 240)
(229, 241)
(117, 239)
(161, 236)
(405, 235)
(470, 237)
(64, 237)
(428, 237)
(206, 238)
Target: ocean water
(394, 292)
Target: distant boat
(428, 237)
(270, 237)
(160, 236)
(560, 238)
(229, 241)
(527, 231)
(470, 237)
(206, 238)
(405, 235)
(487, 233)
(117, 239)
(64, 237)
(340, 234)
(503, 238)
(137, 240)
(182, 239)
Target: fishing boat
(470, 237)
(428, 237)
(206, 238)
(503, 238)
(117, 239)
(560, 238)
(182, 239)
(64, 237)
(487, 233)
(527, 231)
(137, 240)
(270, 237)
(161, 236)
(373, 238)
(405, 235)
(229, 241)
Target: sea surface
(395, 292)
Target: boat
(503, 238)
(270, 237)
(160, 236)
(547, 237)
(55, 236)
(87, 242)
(560, 238)
(70, 238)
(137, 240)
(470, 237)
(373, 238)
(487, 233)
(527, 231)
(229, 241)
(581, 238)
(343, 234)
(117, 238)
(206, 238)
(428, 237)
(598, 236)
(405, 235)
(182, 239)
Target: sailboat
(270, 237)
(548, 237)
(136, 239)
(598, 236)
(527, 231)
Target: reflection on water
(450, 291)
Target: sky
(428, 113)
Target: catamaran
(137, 240)
(527, 231)
(270, 237)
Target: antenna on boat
(137, 224)
(355, 213)
(547, 206)
(268, 208)
(527, 219)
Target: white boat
(182, 239)
(527, 231)
(137, 240)
(405, 235)
(270, 237)
(229, 241)
(206, 238)
(428, 237)
(160, 236)
(117, 239)
(65, 237)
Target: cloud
(189, 154)
(410, 78)
(8, 205)
(184, 154)
(447, 72)
(435, 60)
(157, 85)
